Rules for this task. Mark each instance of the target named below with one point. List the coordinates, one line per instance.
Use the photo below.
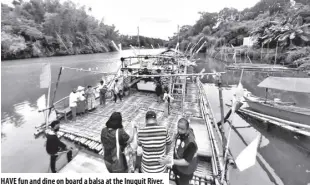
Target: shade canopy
(287, 84)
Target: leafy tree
(48, 27)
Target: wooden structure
(85, 163)
(291, 126)
(278, 109)
(190, 102)
(258, 67)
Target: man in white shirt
(116, 91)
(73, 98)
(102, 89)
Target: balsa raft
(190, 101)
(283, 114)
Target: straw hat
(80, 88)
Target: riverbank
(51, 28)
(294, 58)
(31, 53)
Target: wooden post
(221, 98)
(139, 40)
(261, 52)
(275, 59)
(266, 95)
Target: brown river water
(284, 158)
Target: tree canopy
(47, 27)
(272, 23)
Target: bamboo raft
(190, 102)
(87, 129)
(288, 125)
(258, 67)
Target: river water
(284, 158)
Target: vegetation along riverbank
(279, 29)
(42, 28)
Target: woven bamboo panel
(87, 129)
(133, 110)
(202, 176)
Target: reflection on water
(264, 142)
(251, 79)
(284, 157)
(20, 91)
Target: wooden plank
(202, 137)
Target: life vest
(179, 154)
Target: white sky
(155, 18)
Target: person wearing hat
(185, 154)
(54, 146)
(73, 99)
(81, 104)
(155, 142)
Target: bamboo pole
(174, 75)
(226, 148)
(84, 70)
(275, 60)
(261, 52)
(187, 47)
(271, 118)
(139, 39)
(221, 98)
(48, 98)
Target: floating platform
(288, 125)
(258, 67)
(86, 130)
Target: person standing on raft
(54, 147)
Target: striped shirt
(153, 139)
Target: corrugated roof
(287, 84)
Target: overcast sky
(155, 18)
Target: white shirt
(73, 97)
(116, 88)
(99, 87)
(80, 96)
(166, 96)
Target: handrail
(184, 90)
(209, 114)
(109, 83)
(148, 56)
(84, 70)
(173, 75)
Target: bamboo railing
(217, 158)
